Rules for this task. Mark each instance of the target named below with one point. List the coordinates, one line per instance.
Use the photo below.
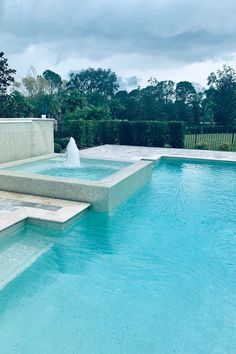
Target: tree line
(94, 94)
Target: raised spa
(90, 169)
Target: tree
(166, 91)
(222, 94)
(71, 100)
(54, 80)
(6, 79)
(19, 105)
(34, 84)
(89, 112)
(148, 103)
(98, 112)
(184, 91)
(166, 100)
(45, 104)
(187, 103)
(157, 100)
(116, 108)
(91, 81)
(6, 75)
(207, 108)
(154, 102)
(119, 105)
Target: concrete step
(20, 255)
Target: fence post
(195, 140)
(232, 141)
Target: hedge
(88, 133)
(57, 148)
(176, 134)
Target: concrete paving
(135, 153)
(16, 208)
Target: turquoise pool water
(90, 169)
(156, 276)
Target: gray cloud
(166, 31)
(128, 83)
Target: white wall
(22, 138)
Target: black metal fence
(210, 138)
(204, 137)
(60, 130)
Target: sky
(138, 39)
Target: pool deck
(135, 153)
(17, 208)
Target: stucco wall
(23, 138)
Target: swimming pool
(90, 169)
(155, 276)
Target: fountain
(72, 155)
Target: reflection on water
(155, 276)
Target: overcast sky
(166, 39)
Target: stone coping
(133, 154)
(105, 182)
(5, 165)
(136, 153)
(56, 219)
(24, 120)
(117, 177)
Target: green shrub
(143, 133)
(64, 142)
(76, 129)
(138, 133)
(102, 132)
(125, 133)
(89, 131)
(201, 146)
(113, 132)
(157, 135)
(57, 148)
(57, 141)
(224, 147)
